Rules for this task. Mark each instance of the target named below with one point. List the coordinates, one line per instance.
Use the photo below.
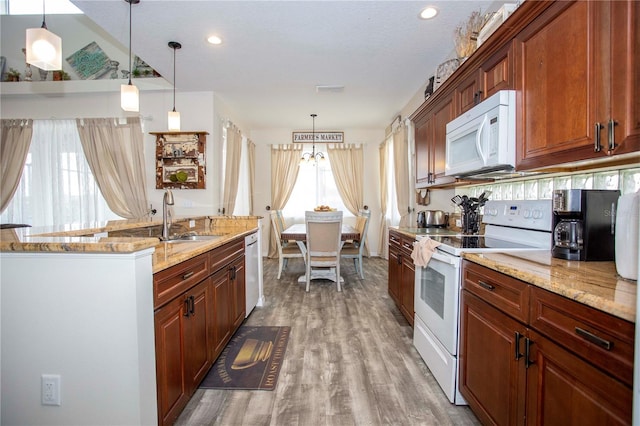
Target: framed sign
(320, 137)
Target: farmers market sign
(320, 137)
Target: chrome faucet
(167, 200)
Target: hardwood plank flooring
(350, 360)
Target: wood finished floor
(350, 360)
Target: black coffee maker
(584, 224)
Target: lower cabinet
(193, 327)
(401, 273)
(513, 372)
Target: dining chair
(324, 231)
(355, 249)
(286, 249)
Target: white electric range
(510, 226)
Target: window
(34, 7)
(57, 186)
(315, 186)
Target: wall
(87, 318)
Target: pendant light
(44, 48)
(313, 155)
(129, 97)
(173, 118)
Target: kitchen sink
(187, 238)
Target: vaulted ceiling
(275, 53)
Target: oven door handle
(443, 258)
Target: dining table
(298, 233)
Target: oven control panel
(529, 214)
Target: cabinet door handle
(486, 285)
(594, 339)
(527, 351)
(187, 312)
(597, 147)
(192, 310)
(517, 350)
(399, 258)
(612, 134)
(187, 275)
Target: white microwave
(482, 141)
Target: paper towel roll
(627, 222)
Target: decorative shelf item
(180, 160)
(90, 62)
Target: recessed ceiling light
(214, 39)
(428, 12)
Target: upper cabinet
(577, 80)
(430, 138)
(180, 159)
(574, 66)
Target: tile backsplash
(627, 180)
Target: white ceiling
(274, 53)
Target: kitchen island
(79, 303)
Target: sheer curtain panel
(285, 162)
(251, 148)
(231, 168)
(401, 172)
(347, 166)
(383, 249)
(14, 147)
(115, 153)
(57, 186)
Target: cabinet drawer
(505, 293)
(600, 338)
(176, 280)
(395, 240)
(407, 246)
(223, 255)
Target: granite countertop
(594, 284)
(128, 236)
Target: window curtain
(115, 153)
(14, 147)
(232, 168)
(383, 249)
(57, 186)
(251, 151)
(285, 162)
(401, 173)
(347, 166)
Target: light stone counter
(595, 284)
(128, 236)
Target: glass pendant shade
(44, 49)
(129, 98)
(173, 120)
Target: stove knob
(527, 214)
(537, 214)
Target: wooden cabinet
(578, 85)
(491, 376)
(395, 266)
(183, 355)
(430, 141)
(199, 304)
(401, 273)
(180, 159)
(534, 357)
(494, 74)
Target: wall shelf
(180, 154)
(44, 88)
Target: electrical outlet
(51, 389)
(192, 224)
(458, 223)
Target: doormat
(251, 360)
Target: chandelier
(313, 155)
